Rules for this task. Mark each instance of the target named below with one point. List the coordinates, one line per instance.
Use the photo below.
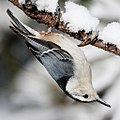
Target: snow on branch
(76, 21)
(79, 18)
(111, 33)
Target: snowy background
(27, 92)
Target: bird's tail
(20, 28)
(32, 37)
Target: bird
(62, 58)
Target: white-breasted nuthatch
(62, 58)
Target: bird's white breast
(82, 71)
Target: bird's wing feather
(58, 62)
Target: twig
(49, 19)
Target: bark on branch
(53, 20)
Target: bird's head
(84, 93)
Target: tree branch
(53, 20)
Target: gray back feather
(58, 62)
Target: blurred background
(27, 92)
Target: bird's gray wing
(58, 62)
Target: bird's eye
(85, 96)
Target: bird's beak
(103, 102)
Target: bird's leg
(57, 15)
(30, 6)
(49, 29)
